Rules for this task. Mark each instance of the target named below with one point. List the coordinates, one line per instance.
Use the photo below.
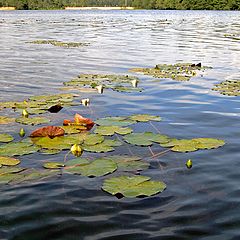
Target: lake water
(201, 203)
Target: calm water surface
(201, 203)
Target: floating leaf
(93, 139)
(60, 44)
(17, 149)
(208, 143)
(133, 186)
(5, 138)
(32, 121)
(190, 145)
(178, 71)
(106, 146)
(115, 121)
(7, 161)
(129, 163)
(144, 118)
(6, 120)
(114, 82)
(228, 87)
(7, 170)
(9, 177)
(97, 168)
(59, 143)
(110, 130)
(50, 131)
(53, 165)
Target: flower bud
(25, 113)
(189, 163)
(76, 150)
(100, 89)
(22, 132)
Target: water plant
(60, 43)
(178, 71)
(228, 87)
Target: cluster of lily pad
(121, 83)
(228, 87)
(233, 36)
(178, 71)
(60, 43)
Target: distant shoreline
(99, 8)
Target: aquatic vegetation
(7, 161)
(53, 165)
(189, 163)
(32, 121)
(50, 131)
(121, 83)
(233, 36)
(111, 130)
(6, 120)
(38, 105)
(97, 168)
(178, 71)
(228, 87)
(6, 138)
(60, 43)
(132, 186)
(17, 149)
(79, 121)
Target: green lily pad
(115, 82)
(59, 143)
(178, 71)
(190, 145)
(132, 187)
(129, 163)
(144, 118)
(32, 121)
(110, 130)
(208, 143)
(6, 120)
(5, 138)
(17, 149)
(53, 165)
(93, 139)
(114, 121)
(228, 87)
(7, 161)
(60, 44)
(106, 146)
(97, 168)
(7, 170)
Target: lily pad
(49, 151)
(7, 170)
(59, 143)
(228, 87)
(53, 165)
(114, 82)
(5, 138)
(6, 120)
(93, 139)
(9, 177)
(178, 71)
(32, 121)
(7, 161)
(132, 187)
(129, 163)
(60, 43)
(110, 130)
(97, 168)
(17, 149)
(74, 129)
(144, 118)
(75, 162)
(190, 145)
(114, 121)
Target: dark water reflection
(202, 203)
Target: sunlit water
(201, 203)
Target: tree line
(141, 4)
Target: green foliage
(133, 186)
(228, 87)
